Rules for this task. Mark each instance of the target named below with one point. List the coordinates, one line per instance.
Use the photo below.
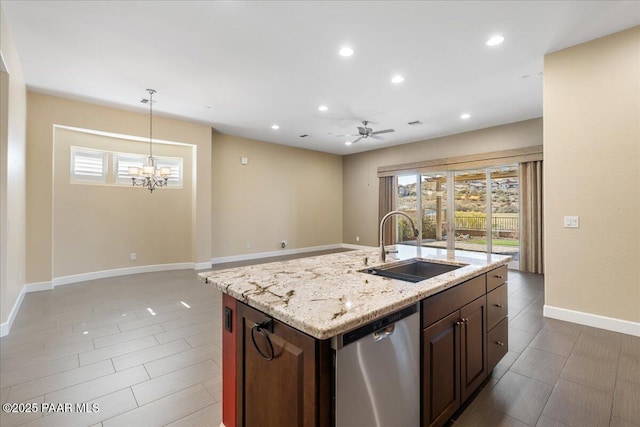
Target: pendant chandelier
(148, 176)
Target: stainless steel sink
(412, 271)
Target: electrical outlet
(357, 238)
(283, 244)
(248, 245)
(133, 256)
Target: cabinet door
(497, 306)
(278, 392)
(441, 370)
(473, 351)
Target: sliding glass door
(485, 206)
(505, 212)
(407, 202)
(434, 209)
(470, 213)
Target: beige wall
(360, 188)
(96, 227)
(592, 169)
(283, 193)
(46, 111)
(13, 111)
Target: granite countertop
(327, 295)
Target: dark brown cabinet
(285, 377)
(454, 361)
(497, 310)
(441, 370)
(473, 350)
(291, 389)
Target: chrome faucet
(383, 252)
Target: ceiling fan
(365, 132)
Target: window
(175, 179)
(88, 165)
(122, 161)
(485, 206)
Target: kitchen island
(281, 321)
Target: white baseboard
(594, 320)
(202, 265)
(5, 327)
(67, 280)
(31, 287)
(356, 247)
(258, 255)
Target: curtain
(531, 231)
(386, 203)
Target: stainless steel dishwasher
(377, 381)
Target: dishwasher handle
(379, 328)
(383, 333)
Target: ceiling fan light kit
(366, 132)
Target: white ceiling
(255, 64)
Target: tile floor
(557, 373)
(131, 346)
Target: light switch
(244, 160)
(571, 222)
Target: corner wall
(13, 117)
(592, 169)
(97, 226)
(283, 193)
(46, 111)
(360, 170)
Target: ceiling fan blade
(340, 136)
(362, 130)
(353, 142)
(382, 131)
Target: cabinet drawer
(496, 277)
(497, 306)
(438, 306)
(497, 343)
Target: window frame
(78, 178)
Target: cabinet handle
(499, 305)
(458, 323)
(500, 343)
(498, 276)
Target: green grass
(497, 242)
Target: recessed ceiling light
(347, 143)
(346, 51)
(275, 127)
(323, 108)
(397, 79)
(495, 41)
(465, 116)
